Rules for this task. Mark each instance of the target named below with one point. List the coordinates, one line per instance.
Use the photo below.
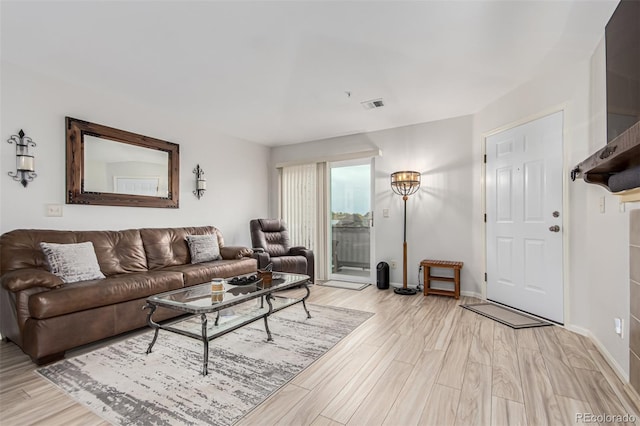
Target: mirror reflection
(115, 167)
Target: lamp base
(405, 291)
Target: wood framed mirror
(111, 167)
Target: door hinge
(485, 277)
(485, 218)
(485, 159)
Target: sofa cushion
(91, 294)
(20, 248)
(168, 247)
(204, 272)
(117, 251)
(203, 248)
(72, 262)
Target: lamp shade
(405, 182)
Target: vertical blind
(299, 203)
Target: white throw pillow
(203, 248)
(72, 262)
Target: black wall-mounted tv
(622, 38)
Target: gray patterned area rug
(123, 385)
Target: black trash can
(383, 275)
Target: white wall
(439, 215)
(236, 170)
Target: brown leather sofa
(46, 317)
(270, 242)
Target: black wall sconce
(201, 182)
(25, 166)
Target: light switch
(602, 204)
(385, 212)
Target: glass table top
(202, 299)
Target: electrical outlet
(54, 210)
(622, 206)
(393, 264)
(385, 212)
(619, 327)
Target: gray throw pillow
(203, 248)
(72, 262)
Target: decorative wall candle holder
(25, 164)
(201, 182)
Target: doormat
(506, 316)
(345, 284)
(125, 386)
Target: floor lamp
(405, 183)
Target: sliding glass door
(350, 220)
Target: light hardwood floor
(418, 361)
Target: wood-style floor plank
(506, 370)
(475, 399)
(576, 352)
(563, 379)
(571, 409)
(481, 350)
(600, 395)
(539, 400)
(418, 361)
(452, 371)
(375, 407)
(505, 412)
(441, 407)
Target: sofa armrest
(22, 279)
(235, 252)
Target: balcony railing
(351, 247)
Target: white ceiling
(277, 72)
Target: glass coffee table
(200, 300)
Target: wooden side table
(427, 264)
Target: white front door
(524, 217)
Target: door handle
(554, 228)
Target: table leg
(304, 304)
(205, 341)
(266, 327)
(266, 323)
(152, 324)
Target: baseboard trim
(471, 294)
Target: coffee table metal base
(205, 336)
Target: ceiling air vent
(374, 103)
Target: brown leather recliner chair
(270, 241)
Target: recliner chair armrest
(262, 257)
(308, 254)
(300, 251)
